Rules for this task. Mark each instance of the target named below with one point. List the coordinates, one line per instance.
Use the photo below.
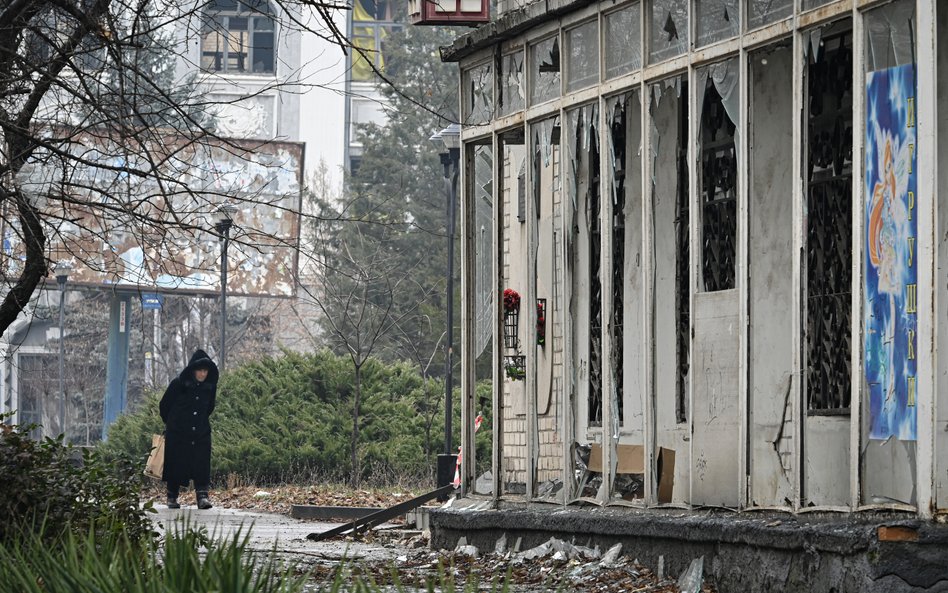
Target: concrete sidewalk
(274, 532)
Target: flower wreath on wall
(514, 364)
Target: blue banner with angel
(891, 291)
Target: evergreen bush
(289, 417)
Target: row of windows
(625, 48)
(712, 93)
(237, 37)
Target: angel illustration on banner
(888, 245)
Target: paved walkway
(271, 531)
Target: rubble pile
(554, 565)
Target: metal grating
(618, 128)
(829, 227)
(718, 194)
(682, 265)
(594, 212)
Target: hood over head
(200, 360)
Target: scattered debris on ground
(553, 565)
(279, 499)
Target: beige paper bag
(156, 459)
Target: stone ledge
(750, 551)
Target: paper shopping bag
(156, 459)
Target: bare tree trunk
(354, 445)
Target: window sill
(206, 76)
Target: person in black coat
(185, 409)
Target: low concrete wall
(743, 552)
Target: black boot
(173, 501)
(203, 502)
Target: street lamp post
(62, 276)
(450, 138)
(224, 219)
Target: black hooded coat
(185, 409)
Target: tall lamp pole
(450, 138)
(62, 276)
(224, 219)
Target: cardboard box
(632, 461)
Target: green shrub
(47, 486)
(290, 417)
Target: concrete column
(926, 130)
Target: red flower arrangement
(511, 300)
(541, 322)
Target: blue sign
(152, 301)
(891, 293)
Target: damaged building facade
(704, 253)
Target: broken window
(545, 70)
(622, 37)
(718, 179)
(829, 222)
(585, 247)
(582, 51)
(478, 94)
(717, 20)
(765, 12)
(511, 83)
(483, 195)
(682, 263)
(618, 125)
(810, 4)
(511, 475)
(890, 33)
(669, 29)
(237, 38)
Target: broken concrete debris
(576, 567)
(691, 579)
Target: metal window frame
(225, 33)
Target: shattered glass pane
(511, 83)
(669, 29)
(829, 224)
(890, 31)
(582, 66)
(620, 146)
(483, 241)
(718, 175)
(623, 41)
(808, 4)
(717, 20)
(479, 94)
(764, 12)
(545, 70)
(583, 149)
